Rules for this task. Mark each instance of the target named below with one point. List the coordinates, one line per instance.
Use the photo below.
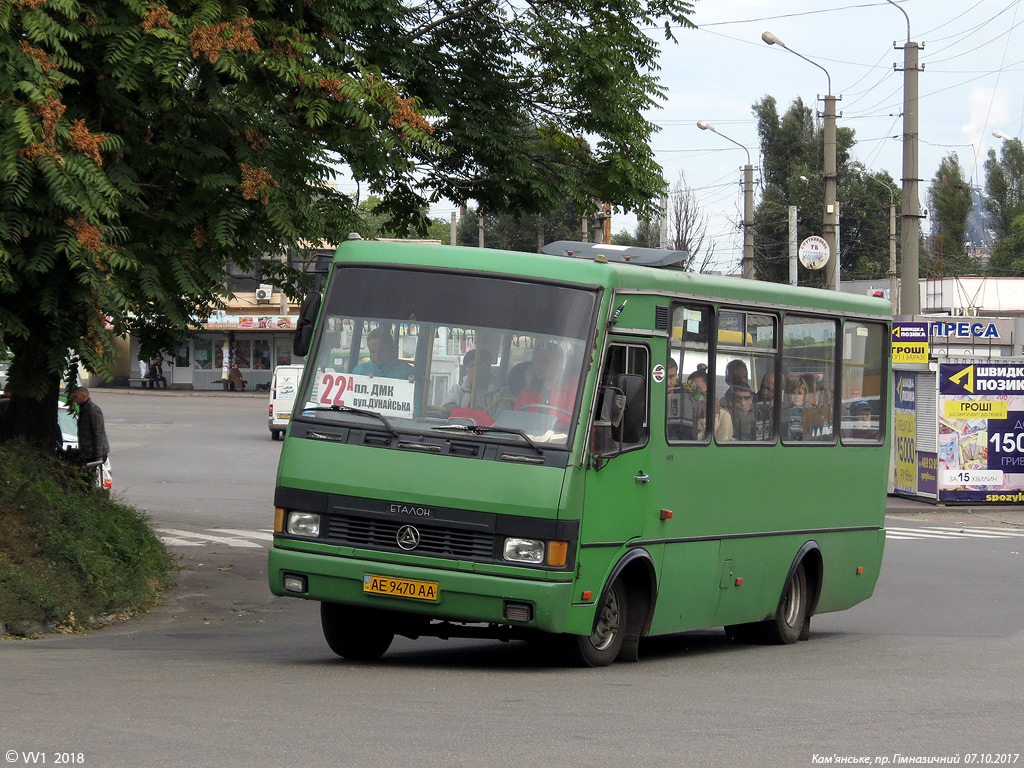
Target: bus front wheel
(355, 633)
(602, 646)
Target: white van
(283, 387)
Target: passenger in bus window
(478, 385)
(816, 424)
(739, 403)
(792, 427)
(764, 406)
(860, 416)
(736, 373)
(383, 357)
(687, 406)
(672, 377)
(698, 389)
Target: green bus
(577, 445)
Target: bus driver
(383, 357)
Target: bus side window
(625, 375)
(809, 364)
(864, 376)
(686, 392)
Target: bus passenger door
(619, 493)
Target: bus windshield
(407, 350)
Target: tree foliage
(522, 232)
(1004, 186)
(949, 199)
(792, 174)
(143, 145)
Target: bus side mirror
(622, 418)
(304, 327)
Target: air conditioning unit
(265, 293)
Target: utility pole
(910, 290)
(830, 216)
(910, 295)
(792, 246)
(663, 229)
(893, 282)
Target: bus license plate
(386, 585)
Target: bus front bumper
(464, 596)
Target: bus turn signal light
(666, 514)
(278, 520)
(860, 571)
(557, 553)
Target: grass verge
(69, 554)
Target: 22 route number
(336, 386)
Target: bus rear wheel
(360, 634)
(791, 618)
(602, 646)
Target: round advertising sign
(814, 252)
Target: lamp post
(747, 266)
(893, 282)
(830, 215)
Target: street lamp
(747, 267)
(830, 215)
(1001, 135)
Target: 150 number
(1007, 442)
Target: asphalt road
(222, 673)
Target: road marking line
(260, 535)
(173, 542)
(232, 542)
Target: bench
(226, 384)
(143, 383)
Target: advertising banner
(910, 342)
(905, 431)
(981, 432)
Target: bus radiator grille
(369, 533)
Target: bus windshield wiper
(479, 430)
(359, 412)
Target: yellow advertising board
(905, 437)
(910, 342)
(975, 409)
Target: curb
(171, 392)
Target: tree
(792, 163)
(1004, 186)
(1008, 254)
(521, 232)
(949, 198)
(143, 145)
(688, 227)
(646, 235)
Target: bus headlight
(524, 550)
(303, 524)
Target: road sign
(814, 252)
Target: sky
(971, 85)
